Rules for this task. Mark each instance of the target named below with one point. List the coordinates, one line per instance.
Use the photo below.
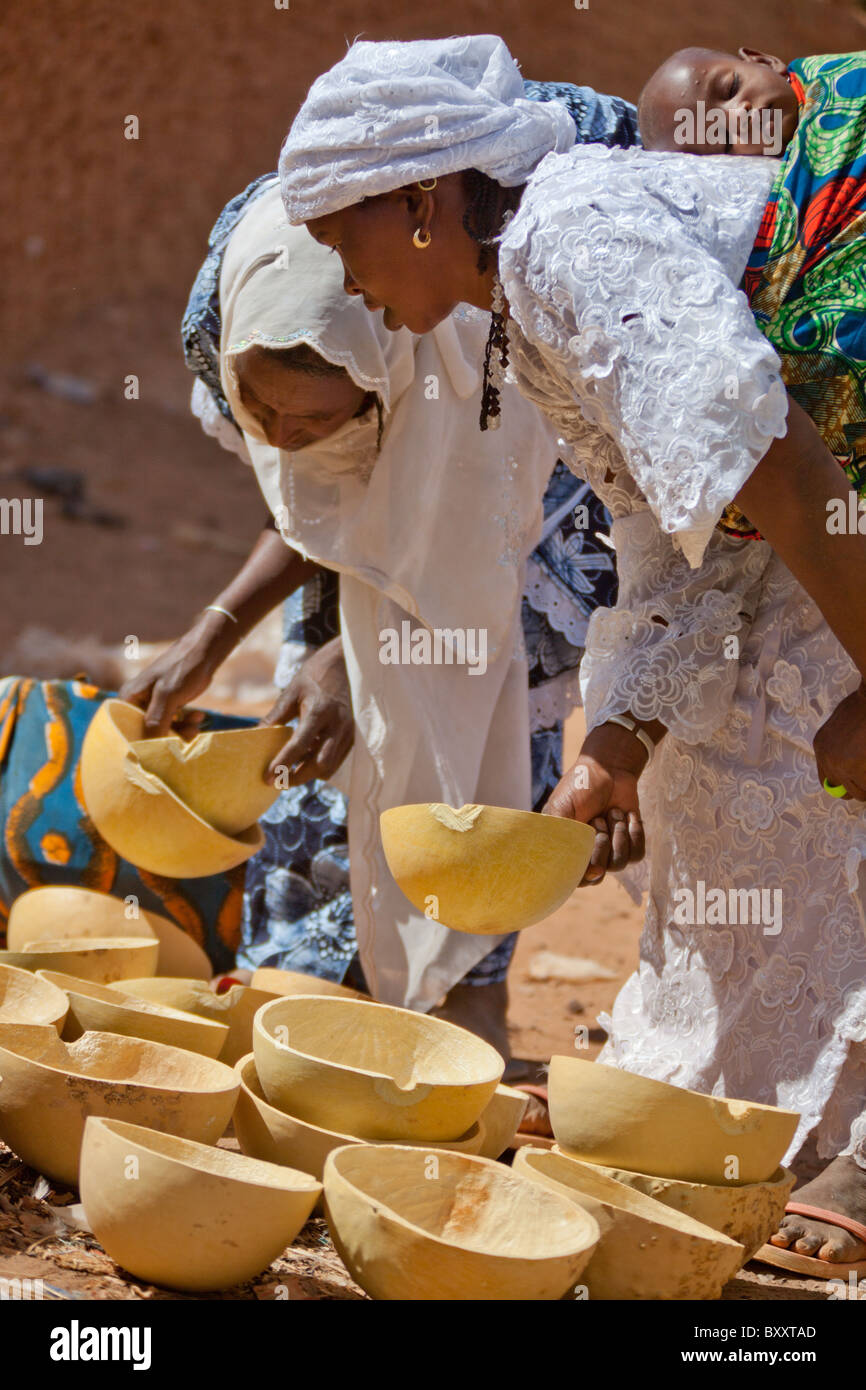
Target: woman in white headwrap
(426, 526)
(613, 280)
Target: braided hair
(489, 208)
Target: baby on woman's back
(700, 101)
(806, 276)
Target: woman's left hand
(319, 698)
(601, 789)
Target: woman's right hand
(601, 789)
(179, 675)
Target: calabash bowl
(604, 1115)
(647, 1250)
(49, 1087)
(139, 815)
(265, 1132)
(27, 998)
(290, 982)
(235, 1008)
(484, 869)
(219, 774)
(57, 912)
(99, 958)
(749, 1213)
(187, 1215)
(98, 1008)
(372, 1071)
(501, 1120)
(415, 1225)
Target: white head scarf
(391, 113)
(433, 529)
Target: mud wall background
(101, 236)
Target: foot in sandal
(841, 1188)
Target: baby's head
(704, 102)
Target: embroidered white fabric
(554, 700)
(215, 424)
(620, 270)
(556, 603)
(390, 113)
(627, 329)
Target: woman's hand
(180, 674)
(318, 697)
(840, 746)
(601, 790)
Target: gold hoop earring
(421, 240)
(427, 184)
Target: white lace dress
(620, 269)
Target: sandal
(809, 1264)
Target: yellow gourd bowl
(27, 998)
(646, 1250)
(58, 912)
(372, 1071)
(236, 1008)
(140, 817)
(265, 1132)
(501, 1120)
(291, 982)
(190, 1217)
(220, 775)
(484, 869)
(613, 1117)
(99, 958)
(98, 1008)
(748, 1214)
(50, 1087)
(410, 1225)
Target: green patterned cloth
(806, 277)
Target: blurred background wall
(101, 236)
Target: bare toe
(808, 1243)
(841, 1247)
(790, 1229)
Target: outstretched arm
(272, 571)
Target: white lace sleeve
(670, 650)
(621, 268)
(215, 424)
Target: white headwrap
(433, 529)
(391, 113)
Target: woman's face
(415, 288)
(293, 408)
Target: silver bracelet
(215, 608)
(626, 723)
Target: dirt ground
(145, 518)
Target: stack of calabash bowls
(181, 808)
(685, 1186)
(106, 1085)
(335, 1069)
(394, 1110)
